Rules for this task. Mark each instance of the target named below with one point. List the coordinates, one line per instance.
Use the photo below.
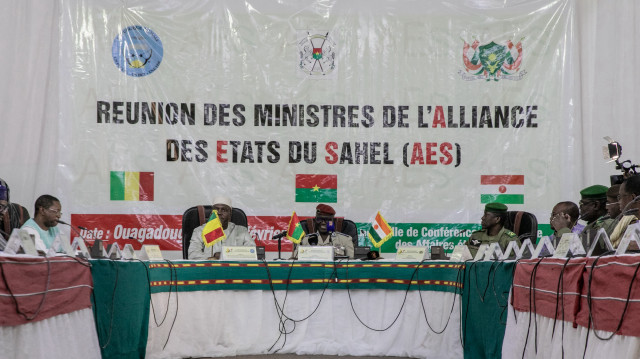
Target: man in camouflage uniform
(495, 215)
(593, 210)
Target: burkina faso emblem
(492, 61)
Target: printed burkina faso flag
(506, 189)
(317, 188)
(380, 231)
(295, 233)
(212, 231)
(131, 186)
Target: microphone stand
(279, 237)
(89, 248)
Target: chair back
(197, 216)
(523, 224)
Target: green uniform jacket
(590, 231)
(481, 237)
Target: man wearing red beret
(323, 233)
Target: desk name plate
(411, 253)
(239, 253)
(315, 253)
(151, 252)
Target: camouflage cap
(594, 192)
(495, 207)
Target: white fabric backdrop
(607, 32)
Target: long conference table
(548, 308)
(213, 308)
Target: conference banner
(423, 111)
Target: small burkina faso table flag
(295, 233)
(380, 231)
(213, 231)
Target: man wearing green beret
(495, 215)
(593, 209)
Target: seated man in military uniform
(323, 233)
(593, 210)
(495, 215)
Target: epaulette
(510, 234)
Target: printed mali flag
(380, 231)
(507, 189)
(295, 233)
(212, 231)
(317, 188)
(131, 186)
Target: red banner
(166, 230)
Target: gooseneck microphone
(279, 235)
(75, 230)
(90, 248)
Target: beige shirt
(341, 241)
(236, 236)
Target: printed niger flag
(131, 186)
(317, 188)
(212, 231)
(506, 189)
(380, 231)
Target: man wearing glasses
(593, 208)
(323, 232)
(235, 235)
(44, 224)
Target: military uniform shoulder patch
(510, 234)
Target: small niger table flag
(380, 231)
(213, 232)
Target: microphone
(279, 235)
(331, 227)
(74, 229)
(313, 239)
(90, 248)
